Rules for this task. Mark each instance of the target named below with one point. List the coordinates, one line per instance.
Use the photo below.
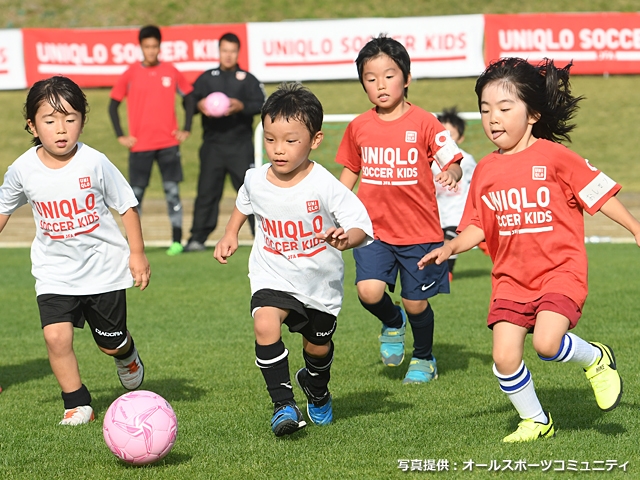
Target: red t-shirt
(151, 96)
(395, 161)
(530, 206)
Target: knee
(415, 307)
(370, 294)
(546, 347)
(317, 351)
(58, 340)
(506, 362)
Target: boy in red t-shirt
(526, 199)
(150, 87)
(393, 146)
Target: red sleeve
(184, 87)
(348, 152)
(119, 90)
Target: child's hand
(447, 180)
(226, 247)
(436, 256)
(140, 270)
(336, 237)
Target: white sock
(576, 350)
(520, 390)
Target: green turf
(193, 329)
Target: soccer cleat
(78, 415)
(131, 374)
(286, 420)
(194, 246)
(319, 409)
(392, 343)
(421, 371)
(604, 378)
(176, 248)
(528, 430)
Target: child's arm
(348, 178)
(138, 263)
(341, 240)
(3, 221)
(617, 212)
(468, 238)
(450, 177)
(228, 244)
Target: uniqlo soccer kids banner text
(448, 46)
(597, 43)
(11, 60)
(96, 57)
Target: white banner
(12, 76)
(447, 46)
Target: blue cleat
(319, 409)
(421, 371)
(392, 343)
(286, 420)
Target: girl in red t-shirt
(526, 199)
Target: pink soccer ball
(216, 104)
(140, 427)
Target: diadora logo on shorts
(410, 137)
(166, 82)
(538, 173)
(85, 182)
(313, 206)
(108, 334)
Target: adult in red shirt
(526, 199)
(150, 88)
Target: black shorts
(105, 312)
(316, 326)
(140, 164)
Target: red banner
(96, 57)
(597, 43)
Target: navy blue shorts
(382, 261)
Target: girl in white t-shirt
(80, 260)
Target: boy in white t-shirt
(80, 260)
(304, 218)
(451, 200)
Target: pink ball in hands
(216, 104)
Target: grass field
(193, 329)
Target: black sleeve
(115, 119)
(255, 97)
(189, 103)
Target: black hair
(292, 101)
(451, 117)
(149, 31)
(230, 37)
(543, 88)
(53, 91)
(383, 45)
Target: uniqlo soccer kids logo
(313, 206)
(539, 173)
(410, 137)
(85, 182)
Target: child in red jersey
(526, 199)
(393, 146)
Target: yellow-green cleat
(528, 431)
(604, 378)
(176, 248)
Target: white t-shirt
(450, 203)
(286, 256)
(78, 248)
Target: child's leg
(554, 344)
(174, 209)
(271, 354)
(76, 397)
(422, 367)
(376, 300)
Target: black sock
(274, 365)
(422, 327)
(385, 311)
(124, 356)
(76, 399)
(320, 372)
(177, 234)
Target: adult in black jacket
(227, 145)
